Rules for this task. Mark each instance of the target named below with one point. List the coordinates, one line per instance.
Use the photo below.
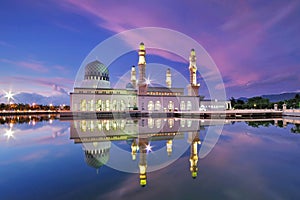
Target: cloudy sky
(255, 44)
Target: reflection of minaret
(143, 142)
(193, 87)
(133, 76)
(194, 140)
(169, 147)
(134, 149)
(142, 70)
(168, 78)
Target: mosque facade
(95, 93)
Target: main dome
(96, 75)
(96, 71)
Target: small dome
(129, 86)
(96, 71)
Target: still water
(45, 158)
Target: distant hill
(280, 97)
(29, 98)
(243, 98)
(275, 97)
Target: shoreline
(227, 114)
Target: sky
(255, 44)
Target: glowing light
(148, 81)
(9, 95)
(148, 148)
(9, 134)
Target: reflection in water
(96, 137)
(23, 119)
(30, 119)
(194, 139)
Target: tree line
(263, 103)
(27, 107)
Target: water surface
(43, 158)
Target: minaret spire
(193, 87)
(142, 85)
(142, 63)
(133, 76)
(193, 68)
(168, 78)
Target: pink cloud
(34, 65)
(234, 35)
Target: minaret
(133, 77)
(142, 90)
(168, 78)
(194, 139)
(169, 147)
(134, 149)
(143, 142)
(193, 87)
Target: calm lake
(42, 157)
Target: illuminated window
(114, 105)
(150, 106)
(157, 105)
(91, 105)
(189, 105)
(99, 105)
(171, 105)
(83, 126)
(171, 123)
(107, 105)
(182, 123)
(122, 105)
(182, 105)
(158, 123)
(83, 105)
(150, 123)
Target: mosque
(95, 94)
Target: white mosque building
(95, 94)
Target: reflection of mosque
(97, 135)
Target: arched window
(83, 125)
(114, 105)
(189, 123)
(189, 105)
(182, 105)
(99, 105)
(83, 105)
(182, 123)
(171, 105)
(122, 105)
(171, 123)
(150, 122)
(91, 105)
(150, 106)
(158, 123)
(107, 105)
(157, 105)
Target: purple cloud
(34, 65)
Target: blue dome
(96, 71)
(129, 86)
